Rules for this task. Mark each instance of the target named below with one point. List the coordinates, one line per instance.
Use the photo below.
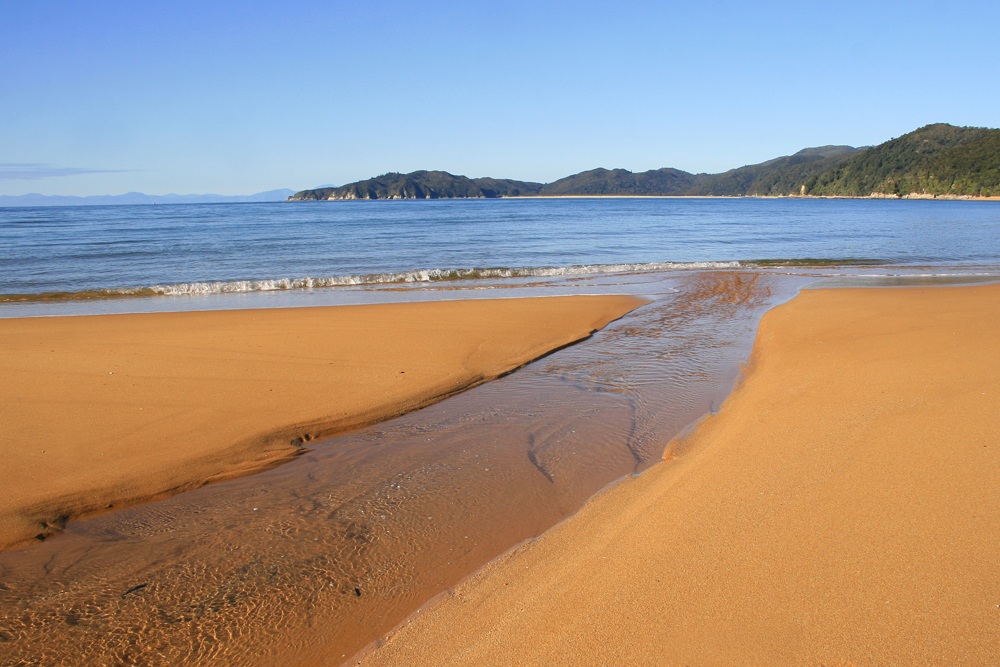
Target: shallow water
(311, 561)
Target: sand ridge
(103, 411)
(840, 509)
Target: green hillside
(780, 176)
(422, 185)
(621, 182)
(935, 160)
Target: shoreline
(137, 407)
(400, 511)
(910, 197)
(914, 196)
(162, 299)
(851, 550)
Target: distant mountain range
(937, 160)
(140, 198)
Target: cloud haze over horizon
(237, 98)
(26, 171)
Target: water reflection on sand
(311, 561)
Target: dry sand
(109, 410)
(843, 508)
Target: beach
(840, 509)
(358, 531)
(102, 412)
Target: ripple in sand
(316, 558)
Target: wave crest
(309, 282)
(418, 276)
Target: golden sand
(103, 411)
(841, 509)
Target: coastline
(917, 196)
(912, 196)
(108, 411)
(400, 510)
(837, 510)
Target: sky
(240, 97)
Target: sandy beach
(104, 411)
(840, 509)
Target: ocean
(318, 557)
(332, 252)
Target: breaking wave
(390, 278)
(426, 276)
(407, 277)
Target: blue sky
(238, 97)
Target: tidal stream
(309, 562)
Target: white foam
(418, 276)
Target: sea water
(86, 252)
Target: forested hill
(621, 182)
(935, 160)
(780, 176)
(423, 185)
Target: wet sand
(105, 411)
(308, 562)
(841, 509)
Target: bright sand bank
(841, 509)
(109, 410)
